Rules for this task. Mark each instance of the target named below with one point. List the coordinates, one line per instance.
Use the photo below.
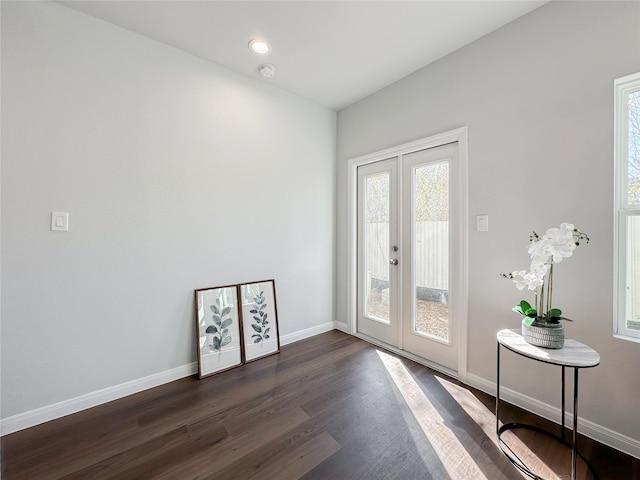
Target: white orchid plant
(545, 251)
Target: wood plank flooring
(328, 407)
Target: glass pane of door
(430, 219)
(376, 246)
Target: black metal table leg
(574, 449)
(584, 357)
(498, 391)
(563, 407)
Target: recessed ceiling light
(259, 46)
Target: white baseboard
(51, 412)
(592, 430)
(306, 333)
(77, 404)
(343, 327)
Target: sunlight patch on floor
(486, 420)
(453, 456)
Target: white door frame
(461, 276)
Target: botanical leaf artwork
(220, 327)
(260, 322)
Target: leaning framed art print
(218, 330)
(259, 319)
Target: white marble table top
(573, 354)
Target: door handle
(393, 261)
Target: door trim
(458, 135)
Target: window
(627, 207)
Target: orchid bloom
(519, 279)
(561, 242)
(545, 250)
(534, 280)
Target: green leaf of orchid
(528, 321)
(524, 308)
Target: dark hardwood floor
(328, 407)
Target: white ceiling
(331, 52)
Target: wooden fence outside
(432, 253)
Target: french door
(408, 244)
(378, 251)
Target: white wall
(177, 174)
(537, 97)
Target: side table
(575, 355)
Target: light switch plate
(482, 223)
(60, 221)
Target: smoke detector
(267, 70)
